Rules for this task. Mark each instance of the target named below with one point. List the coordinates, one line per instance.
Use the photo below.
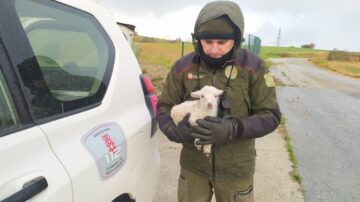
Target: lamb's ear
(196, 94)
(219, 92)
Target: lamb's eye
(215, 96)
(202, 96)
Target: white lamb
(207, 105)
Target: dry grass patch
(157, 75)
(163, 54)
(343, 62)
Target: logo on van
(107, 145)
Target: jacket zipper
(214, 78)
(213, 176)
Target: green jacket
(251, 100)
(251, 96)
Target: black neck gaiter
(216, 63)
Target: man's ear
(196, 42)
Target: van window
(8, 113)
(73, 53)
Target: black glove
(215, 130)
(181, 133)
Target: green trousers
(195, 188)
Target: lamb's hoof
(206, 154)
(206, 150)
(198, 147)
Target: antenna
(278, 38)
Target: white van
(76, 113)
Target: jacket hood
(219, 8)
(215, 10)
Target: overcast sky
(327, 23)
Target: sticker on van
(107, 145)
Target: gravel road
(322, 109)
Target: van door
(29, 169)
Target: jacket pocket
(245, 92)
(181, 189)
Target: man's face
(216, 48)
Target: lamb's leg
(206, 150)
(198, 147)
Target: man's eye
(222, 42)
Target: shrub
(339, 55)
(356, 57)
(284, 55)
(310, 45)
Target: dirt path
(322, 109)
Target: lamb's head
(209, 97)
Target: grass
(290, 148)
(278, 52)
(350, 68)
(320, 58)
(163, 53)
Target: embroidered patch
(269, 80)
(228, 72)
(191, 76)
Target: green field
(276, 52)
(165, 53)
(160, 53)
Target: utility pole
(278, 38)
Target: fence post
(182, 48)
(253, 44)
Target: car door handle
(29, 189)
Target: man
(247, 110)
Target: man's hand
(181, 133)
(215, 130)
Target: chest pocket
(240, 103)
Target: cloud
(268, 33)
(167, 26)
(327, 23)
(144, 7)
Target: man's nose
(215, 50)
